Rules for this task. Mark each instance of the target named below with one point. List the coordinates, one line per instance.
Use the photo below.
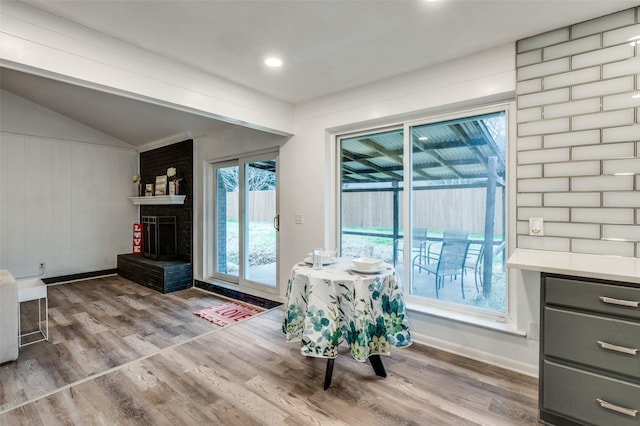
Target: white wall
(223, 145)
(63, 198)
(578, 137)
(308, 171)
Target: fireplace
(159, 238)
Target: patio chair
(433, 249)
(419, 240)
(475, 257)
(451, 260)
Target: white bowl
(367, 263)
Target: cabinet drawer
(587, 295)
(575, 336)
(575, 393)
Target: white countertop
(614, 268)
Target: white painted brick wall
(575, 168)
(603, 151)
(535, 85)
(543, 185)
(543, 156)
(572, 230)
(578, 127)
(602, 183)
(529, 171)
(602, 215)
(604, 23)
(621, 134)
(544, 243)
(616, 85)
(544, 126)
(529, 142)
(571, 108)
(587, 137)
(602, 56)
(563, 199)
(571, 47)
(603, 119)
(529, 200)
(547, 97)
(585, 75)
(621, 199)
(621, 68)
(615, 248)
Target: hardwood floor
(122, 354)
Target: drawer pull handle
(621, 302)
(609, 406)
(625, 350)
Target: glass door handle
(276, 222)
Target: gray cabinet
(589, 352)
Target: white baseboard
(486, 357)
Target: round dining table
(339, 303)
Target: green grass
(262, 242)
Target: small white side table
(34, 289)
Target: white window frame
(507, 321)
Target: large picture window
(450, 248)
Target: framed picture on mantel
(161, 185)
(148, 190)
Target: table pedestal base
(376, 363)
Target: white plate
(326, 262)
(369, 271)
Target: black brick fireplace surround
(166, 276)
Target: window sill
(471, 320)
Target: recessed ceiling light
(273, 62)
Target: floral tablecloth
(334, 304)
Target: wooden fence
(262, 206)
(435, 210)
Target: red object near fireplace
(137, 238)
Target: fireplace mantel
(158, 199)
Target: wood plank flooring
(123, 354)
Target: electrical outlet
(299, 218)
(536, 226)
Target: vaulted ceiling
(327, 46)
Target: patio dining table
(338, 304)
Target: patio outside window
(455, 251)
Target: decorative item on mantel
(174, 183)
(161, 185)
(138, 189)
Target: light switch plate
(536, 226)
(299, 218)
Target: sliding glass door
(226, 219)
(260, 221)
(246, 222)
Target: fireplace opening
(159, 238)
